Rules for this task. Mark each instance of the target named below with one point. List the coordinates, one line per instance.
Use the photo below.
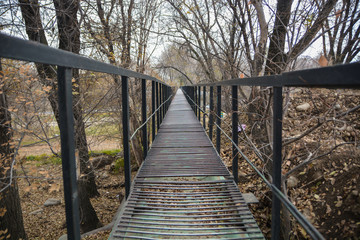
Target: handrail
(19, 49)
(340, 76)
(30, 51)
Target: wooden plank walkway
(183, 190)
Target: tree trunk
(277, 59)
(88, 218)
(69, 39)
(11, 220)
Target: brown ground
(327, 192)
(42, 148)
(45, 181)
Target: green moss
(112, 152)
(118, 164)
(44, 159)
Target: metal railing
(19, 49)
(341, 76)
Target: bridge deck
(183, 190)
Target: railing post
(168, 95)
(235, 137)
(164, 98)
(195, 101)
(125, 123)
(157, 106)
(276, 175)
(143, 114)
(198, 102)
(160, 96)
(193, 97)
(162, 101)
(68, 152)
(218, 118)
(153, 111)
(211, 115)
(204, 106)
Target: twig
(309, 160)
(321, 121)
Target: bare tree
(11, 220)
(341, 32)
(124, 25)
(69, 39)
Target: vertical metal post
(170, 92)
(68, 152)
(195, 100)
(204, 106)
(198, 102)
(157, 106)
(125, 123)
(235, 137)
(164, 98)
(218, 118)
(160, 102)
(168, 95)
(276, 175)
(193, 94)
(143, 114)
(211, 116)
(153, 111)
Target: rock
(250, 198)
(104, 175)
(102, 161)
(37, 211)
(52, 202)
(349, 128)
(292, 182)
(337, 106)
(303, 107)
(107, 168)
(243, 177)
(242, 174)
(63, 237)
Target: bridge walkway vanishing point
(183, 190)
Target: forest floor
(41, 179)
(326, 190)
